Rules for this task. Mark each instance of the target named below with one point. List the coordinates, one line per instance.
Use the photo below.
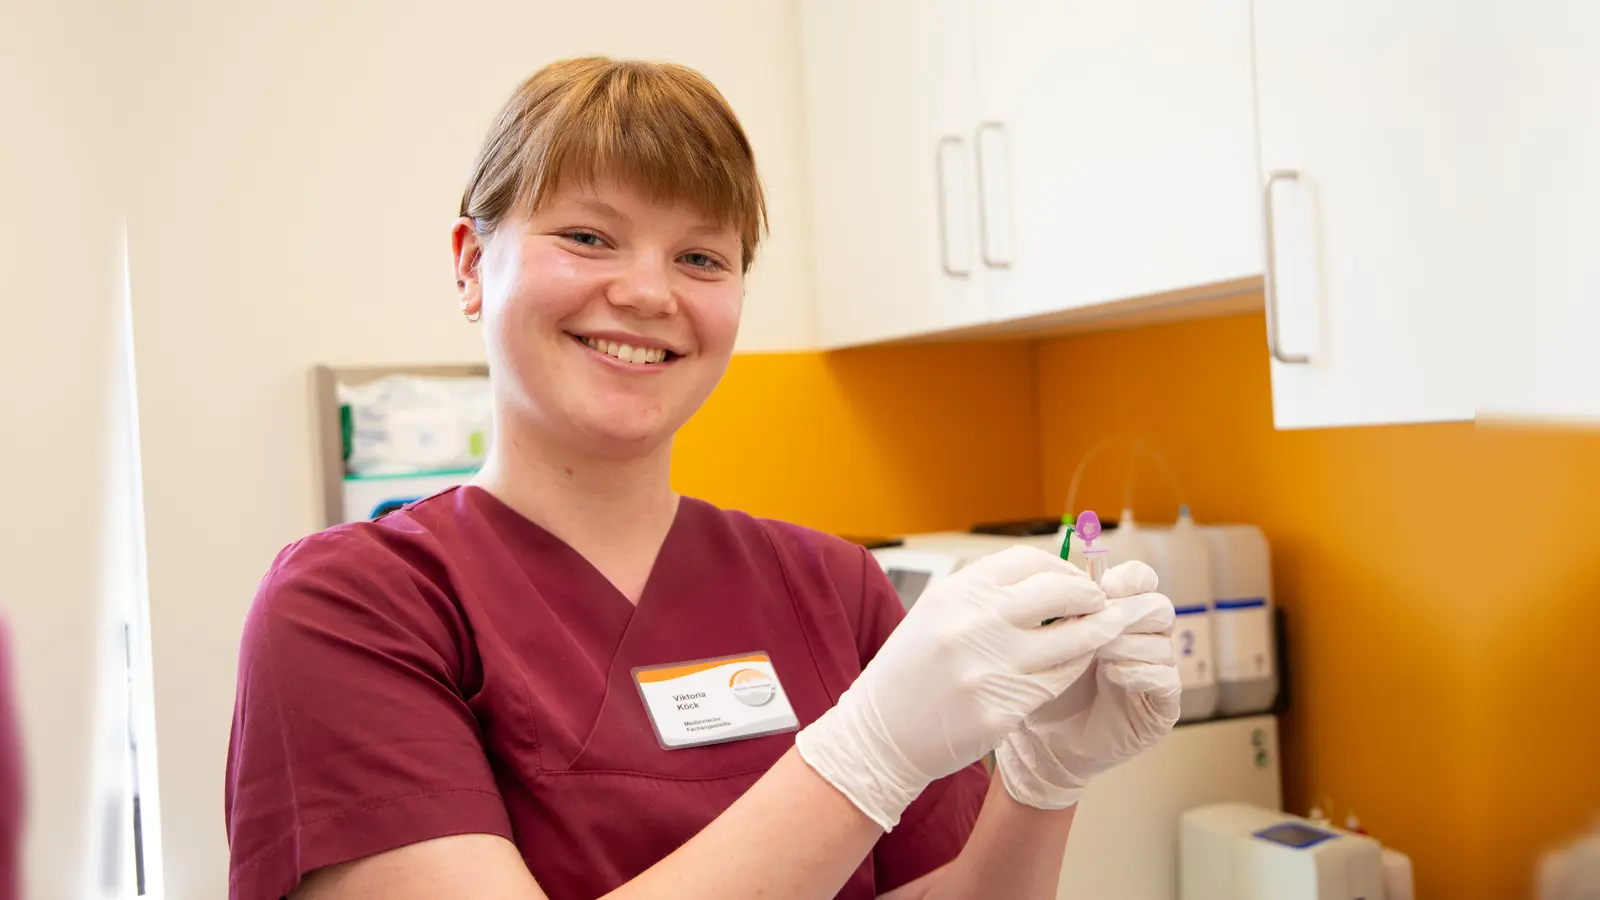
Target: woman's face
(609, 317)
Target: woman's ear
(466, 247)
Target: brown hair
(664, 127)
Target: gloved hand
(964, 667)
(1127, 705)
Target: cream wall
(299, 163)
(58, 298)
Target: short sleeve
(936, 826)
(352, 734)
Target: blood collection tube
(1088, 528)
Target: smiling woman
(616, 207)
(539, 684)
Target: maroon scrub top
(12, 779)
(454, 668)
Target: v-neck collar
(553, 552)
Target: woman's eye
(703, 261)
(585, 238)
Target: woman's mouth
(627, 353)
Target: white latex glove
(1126, 706)
(964, 667)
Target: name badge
(714, 700)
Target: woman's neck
(614, 512)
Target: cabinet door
(890, 107)
(1362, 130)
(1539, 331)
(1117, 149)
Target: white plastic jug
(1571, 872)
(1185, 570)
(1241, 588)
(1182, 560)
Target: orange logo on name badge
(753, 687)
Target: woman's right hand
(969, 661)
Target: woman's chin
(624, 435)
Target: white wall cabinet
(1539, 317)
(1363, 147)
(890, 108)
(1018, 162)
(985, 162)
(1116, 150)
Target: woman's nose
(646, 288)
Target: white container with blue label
(1182, 560)
(1185, 570)
(1241, 579)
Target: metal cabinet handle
(944, 230)
(1270, 281)
(983, 202)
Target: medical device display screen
(908, 583)
(1292, 835)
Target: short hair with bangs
(664, 127)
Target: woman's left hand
(1126, 704)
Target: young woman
(565, 680)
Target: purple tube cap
(1087, 527)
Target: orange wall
(879, 441)
(1443, 688)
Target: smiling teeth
(627, 353)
